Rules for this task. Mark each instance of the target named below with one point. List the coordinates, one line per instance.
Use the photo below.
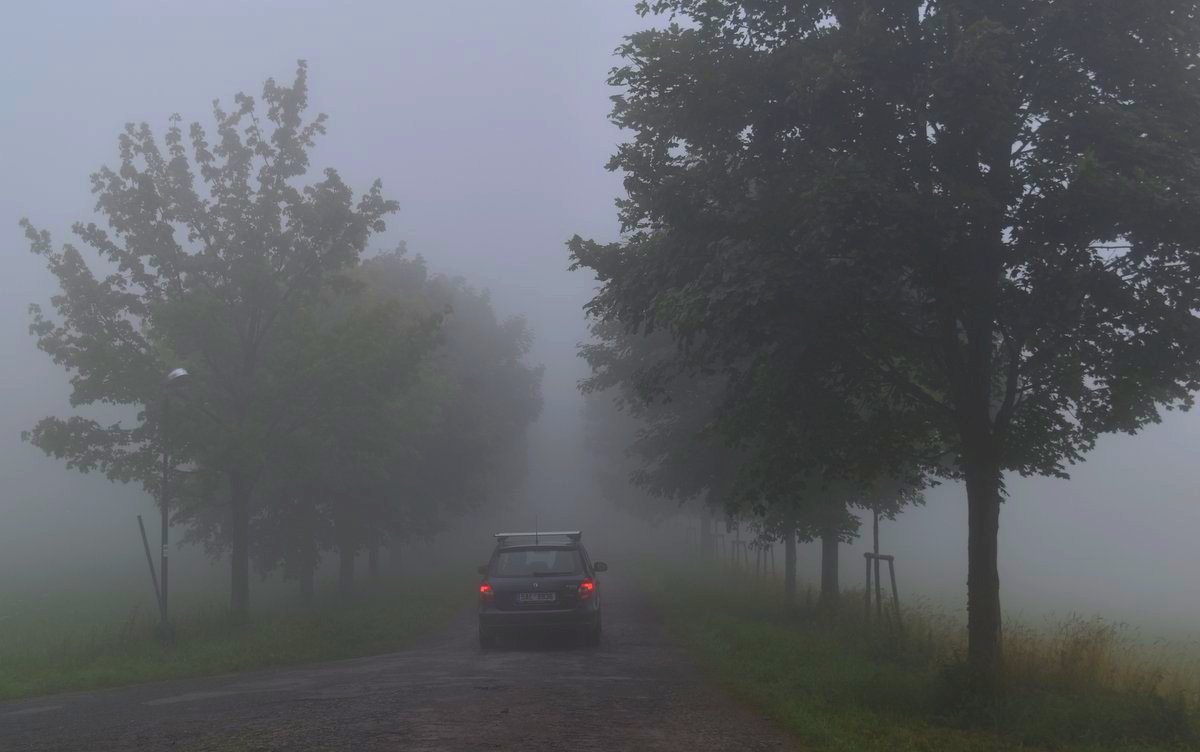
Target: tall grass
(1093, 652)
(842, 683)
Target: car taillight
(585, 589)
(485, 592)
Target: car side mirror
(600, 566)
(482, 569)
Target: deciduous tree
(212, 249)
(990, 209)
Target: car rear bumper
(540, 619)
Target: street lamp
(175, 380)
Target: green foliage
(971, 228)
(328, 395)
(674, 451)
(436, 434)
(212, 259)
(210, 249)
(660, 431)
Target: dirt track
(634, 692)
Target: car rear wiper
(548, 574)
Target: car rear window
(534, 562)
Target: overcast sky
(487, 121)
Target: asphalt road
(634, 692)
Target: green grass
(83, 642)
(838, 684)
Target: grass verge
(387, 616)
(839, 685)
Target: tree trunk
(239, 563)
(789, 566)
(307, 587)
(393, 557)
(373, 561)
(707, 541)
(346, 556)
(829, 568)
(311, 554)
(983, 572)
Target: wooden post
(895, 593)
(150, 563)
(867, 590)
(878, 587)
(891, 562)
(789, 567)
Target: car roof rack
(574, 535)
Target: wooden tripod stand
(874, 558)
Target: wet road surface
(634, 692)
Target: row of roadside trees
(897, 242)
(336, 402)
(656, 454)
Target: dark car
(539, 581)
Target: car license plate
(535, 598)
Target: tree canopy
(334, 402)
(974, 221)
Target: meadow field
(55, 641)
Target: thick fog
(488, 123)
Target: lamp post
(175, 380)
